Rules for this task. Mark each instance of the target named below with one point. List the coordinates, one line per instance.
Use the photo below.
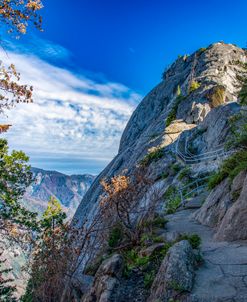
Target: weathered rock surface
(216, 66)
(222, 275)
(200, 124)
(226, 209)
(175, 275)
(234, 223)
(106, 281)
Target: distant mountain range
(69, 190)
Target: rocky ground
(223, 273)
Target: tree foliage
(11, 91)
(15, 15)
(16, 223)
(49, 259)
(7, 290)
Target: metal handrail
(204, 156)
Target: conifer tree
(49, 256)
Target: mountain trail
(223, 273)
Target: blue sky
(94, 62)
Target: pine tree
(7, 290)
(49, 256)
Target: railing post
(181, 197)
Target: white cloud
(72, 115)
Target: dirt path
(223, 275)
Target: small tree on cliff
(49, 256)
(16, 223)
(15, 175)
(130, 203)
(15, 16)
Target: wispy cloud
(72, 115)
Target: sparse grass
(176, 286)
(153, 154)
(172, 200)
(133, 260)
(241, 64)
(217, 96)
(164, 175)
(201, 50)
(236, 194)
(231, 167)
(176, 168)
(193, 239)
(185, 173)
(194, 86)
(173, 112)
(172, 205)
(243, 94)
(158, 221)
(149, 278)
(115, 236)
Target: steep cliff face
(215, 68)
(178, 133)
(69, 190)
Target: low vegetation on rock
(194, 86)
(217, 96)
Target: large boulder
(176, 273)
(234, 223)
(106, 281)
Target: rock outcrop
(106, 281)
(176, 274)
(226, 209)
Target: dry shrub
(130, 203)
(217, 96)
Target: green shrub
(193, 239)
(176, 168)
(159, 222)
(243, 94)
(115, 237)
(236, 194)
(153, 155)
(149, 279)
(172, 200)
(201, 50)
(158, 239)
(173, 112)
(178, 91)
(170, 192)
(173, 204)
(184, 173)
(164, 175)
(194, 86)
(133, 260)
(231, 167)
(176, 286)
